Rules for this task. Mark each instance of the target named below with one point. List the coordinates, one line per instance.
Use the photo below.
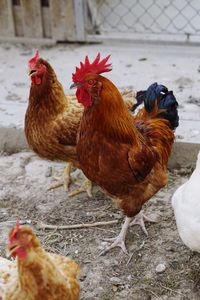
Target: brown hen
(36, 274)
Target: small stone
(160, 268)
(171, 249)
(114, 288)
(115, 280)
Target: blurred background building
(92, 20)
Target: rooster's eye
(90, 81)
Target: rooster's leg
(139, 219)
(119, 241)
(86, 186)
(64, 180)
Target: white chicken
(186, 205)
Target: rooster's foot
(139, 219)
(119, 241)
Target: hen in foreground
(36, 274)
(52, 118)
(186, 205)
(125, 155)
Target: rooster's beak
(74, 86)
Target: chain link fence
(123, 18)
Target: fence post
(6, 19)
(79, 17)
(32, 18)
(62, 20)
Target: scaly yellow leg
(66, 176)
(86, 186)
(64, 180)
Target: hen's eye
(90, 81)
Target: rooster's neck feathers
(110, 114)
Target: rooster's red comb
(34, 59)
(96, 67)
(14, 230)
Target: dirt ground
(23, 192)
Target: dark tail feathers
(165, 99)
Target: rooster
(52, 118)
(186, 205)
(125, 155)
(36, 274)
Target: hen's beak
(11, 248)
(74, 86)
(31, 72)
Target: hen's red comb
(96, 67)
(34, 59)
(14, 230)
